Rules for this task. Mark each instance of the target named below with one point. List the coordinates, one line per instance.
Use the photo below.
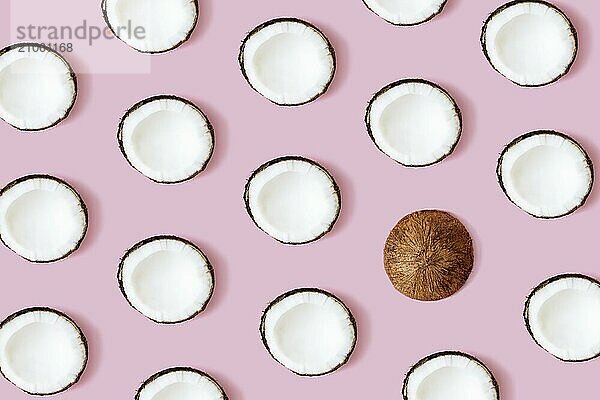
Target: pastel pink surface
(514, 252)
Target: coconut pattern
(277, 221)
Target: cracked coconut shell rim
(151, 26)
(545, 173)
(38, 87)
(428, 255)
(42, 351)
(293, 199)
(415, 122)
(42, 218)
(181, 383)
(288, 61)
(562, 314)
(406, 12)
(166, 138)
(532, 43)
(450, 375)
(309, 331)
(166, 278)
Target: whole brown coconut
(428, 255)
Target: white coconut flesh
(151, 26)
(167, 279)
(41, 351)
(289, 62)
(181, 384)
(564, 318)
(415, 123)
(167, 139)
(309, 332)
(41, 219)
(450, 377)
(530, 43)
(37, 88)
(293, 200)
(546, 174)
(406, 12)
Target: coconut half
(545, 173)
(42, 218)
(151, 26)
(180, 383)
(450, 375)
(293, 199)
(166, 138)
(38, 87)
(532, 43)
(42, 351)
(562, 314)
(166, 278)
(406, 12)
(309, 331)
(288, 61)
(428, 255)
(415, 122)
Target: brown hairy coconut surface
(428, 255)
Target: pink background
(514, 252)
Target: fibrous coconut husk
(428, 255)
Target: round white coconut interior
(151, 26)
(181, 385)
(294, 201)
(405, 12)
(310, 333)
(530, 43)
(415, 123)
(564, 318)
(41, 219)
(41, 352)
(167, 139)
(167, 279)
(37, 89)
(547, 175)
(450, 377)
(289, 62)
